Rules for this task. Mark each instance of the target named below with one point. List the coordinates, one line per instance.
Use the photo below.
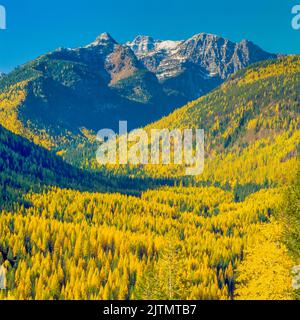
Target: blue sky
(35, 26)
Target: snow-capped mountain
(198, 64)
(184, 69)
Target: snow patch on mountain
(145, 45)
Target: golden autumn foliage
(251, 125)
(288, 65)
(10, 103)
(265, 272)
(74, 245)
(211, 237)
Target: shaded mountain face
(51, 99)
(26, 167)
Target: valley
(72, 229)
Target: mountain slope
(63, 96)
(266, 92)
(53, 97)
(251, 125)
(26, 167)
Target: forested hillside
(26, 167)
(251, 125)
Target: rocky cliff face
(198, 64)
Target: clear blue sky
(38, 26)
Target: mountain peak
(142, 44)
(207, 38)
(104, 38)
(141, 37)
(204, 35)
